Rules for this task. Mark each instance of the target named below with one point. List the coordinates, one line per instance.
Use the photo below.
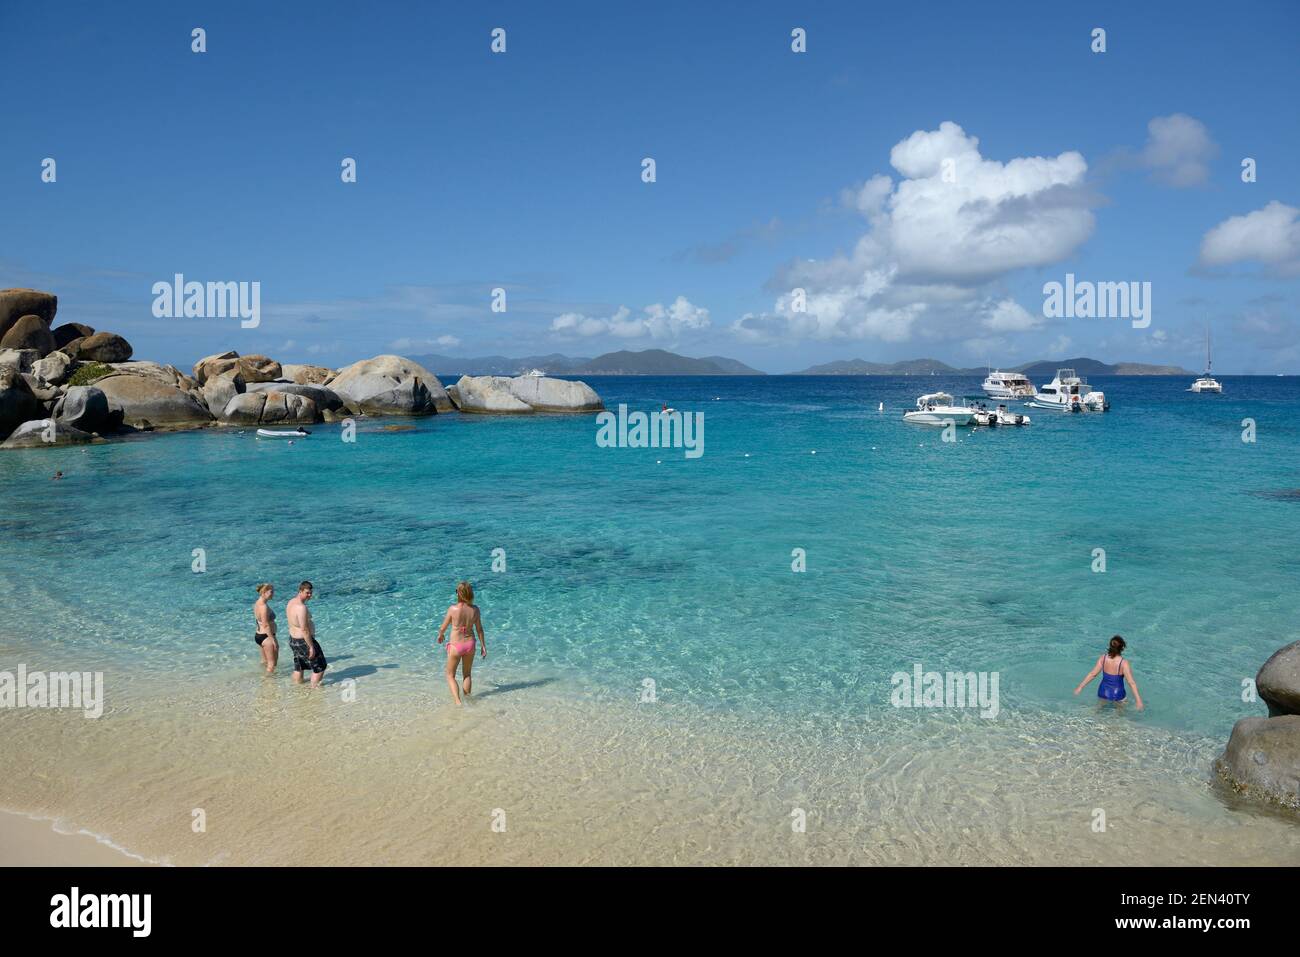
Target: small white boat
(1007, 417)
(991, 418)
(535, 374)
(282, 433)
(1207, 382)
(1008, 385)
(938, 408)
(1069, 392)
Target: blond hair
(465, 592)
(263, 587)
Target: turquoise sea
(627, 564)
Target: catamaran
(1207, 382)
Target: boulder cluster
(1262, 759)
(69, 384)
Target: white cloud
(1178, 150)
(408, 344)
(1270, 236)
(656, 321)
(954, 223)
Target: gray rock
(487, 394)
(20, 360)
(390, 385)
(29, 332)
(40, 388)
(555, 395)
(85, 407)
(325, 399)
(39, 433)
(307, 375)
(101, 347)
(17, 404)
(244, 409)
(69, 331)
(285, 408)
(55, 368)
(16, 303)
(218, 390)
(1262, 759)
(1278, 682)
(145, 399)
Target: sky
(903, 188)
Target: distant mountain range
(1043, 368)
(647, 362)
(662, 362)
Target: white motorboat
(1008, 385)
(938, 408)
(1007, 417)
(1207, 382)
(992, 418)
(1069, 392)
(282, 433)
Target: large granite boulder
(145, 399)
(306, 375)
(253, 368)
(325, 399)
(17, 403)
(85, 407)
(545, 394)
(487, 394)
(45, 433)
(29, 332)
(16, 303)
(21, 360)
(69, 331)
(390, 385)
(55, 368)
(1278, 682)
(270, 408)
(218, 390)
(43, 391)
(101, 347)
(1262, 759)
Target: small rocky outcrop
(146, 400)
(327, 400)
(503, 394)
(390, 385)
(29, 332)
(16, 303)
(1262, 759)
(270, 408)
(70, 331)
(17, 403)
(100, 347)
(45, 433)
(307, 375)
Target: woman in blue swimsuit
(1114, 670)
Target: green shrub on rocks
(89, 373)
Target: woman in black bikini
(264, 616)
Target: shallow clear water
(627, 564)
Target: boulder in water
(1262, 759)
(86, 407)
(487, 394)
(145, 399)
(45, 433)
(1278, 682)
(390, 385)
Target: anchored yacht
(1008, 385)
(1069, 392)
(1207, 382)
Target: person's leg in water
(466, 664)
(452, 658)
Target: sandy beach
(28, 842)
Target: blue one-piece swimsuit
(1112, 686)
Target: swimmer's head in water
(465, 592)
(305, 589)
(266, 589)
(1117, 645)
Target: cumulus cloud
(952, 224)
(1269, 236)
(656, 321)
(1178, 150)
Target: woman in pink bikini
(464, 619)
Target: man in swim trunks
(302, 638)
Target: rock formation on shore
(74, 383)
(1262, 759)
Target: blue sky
(523, 170)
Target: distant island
(647, 362)
(1042, 368)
